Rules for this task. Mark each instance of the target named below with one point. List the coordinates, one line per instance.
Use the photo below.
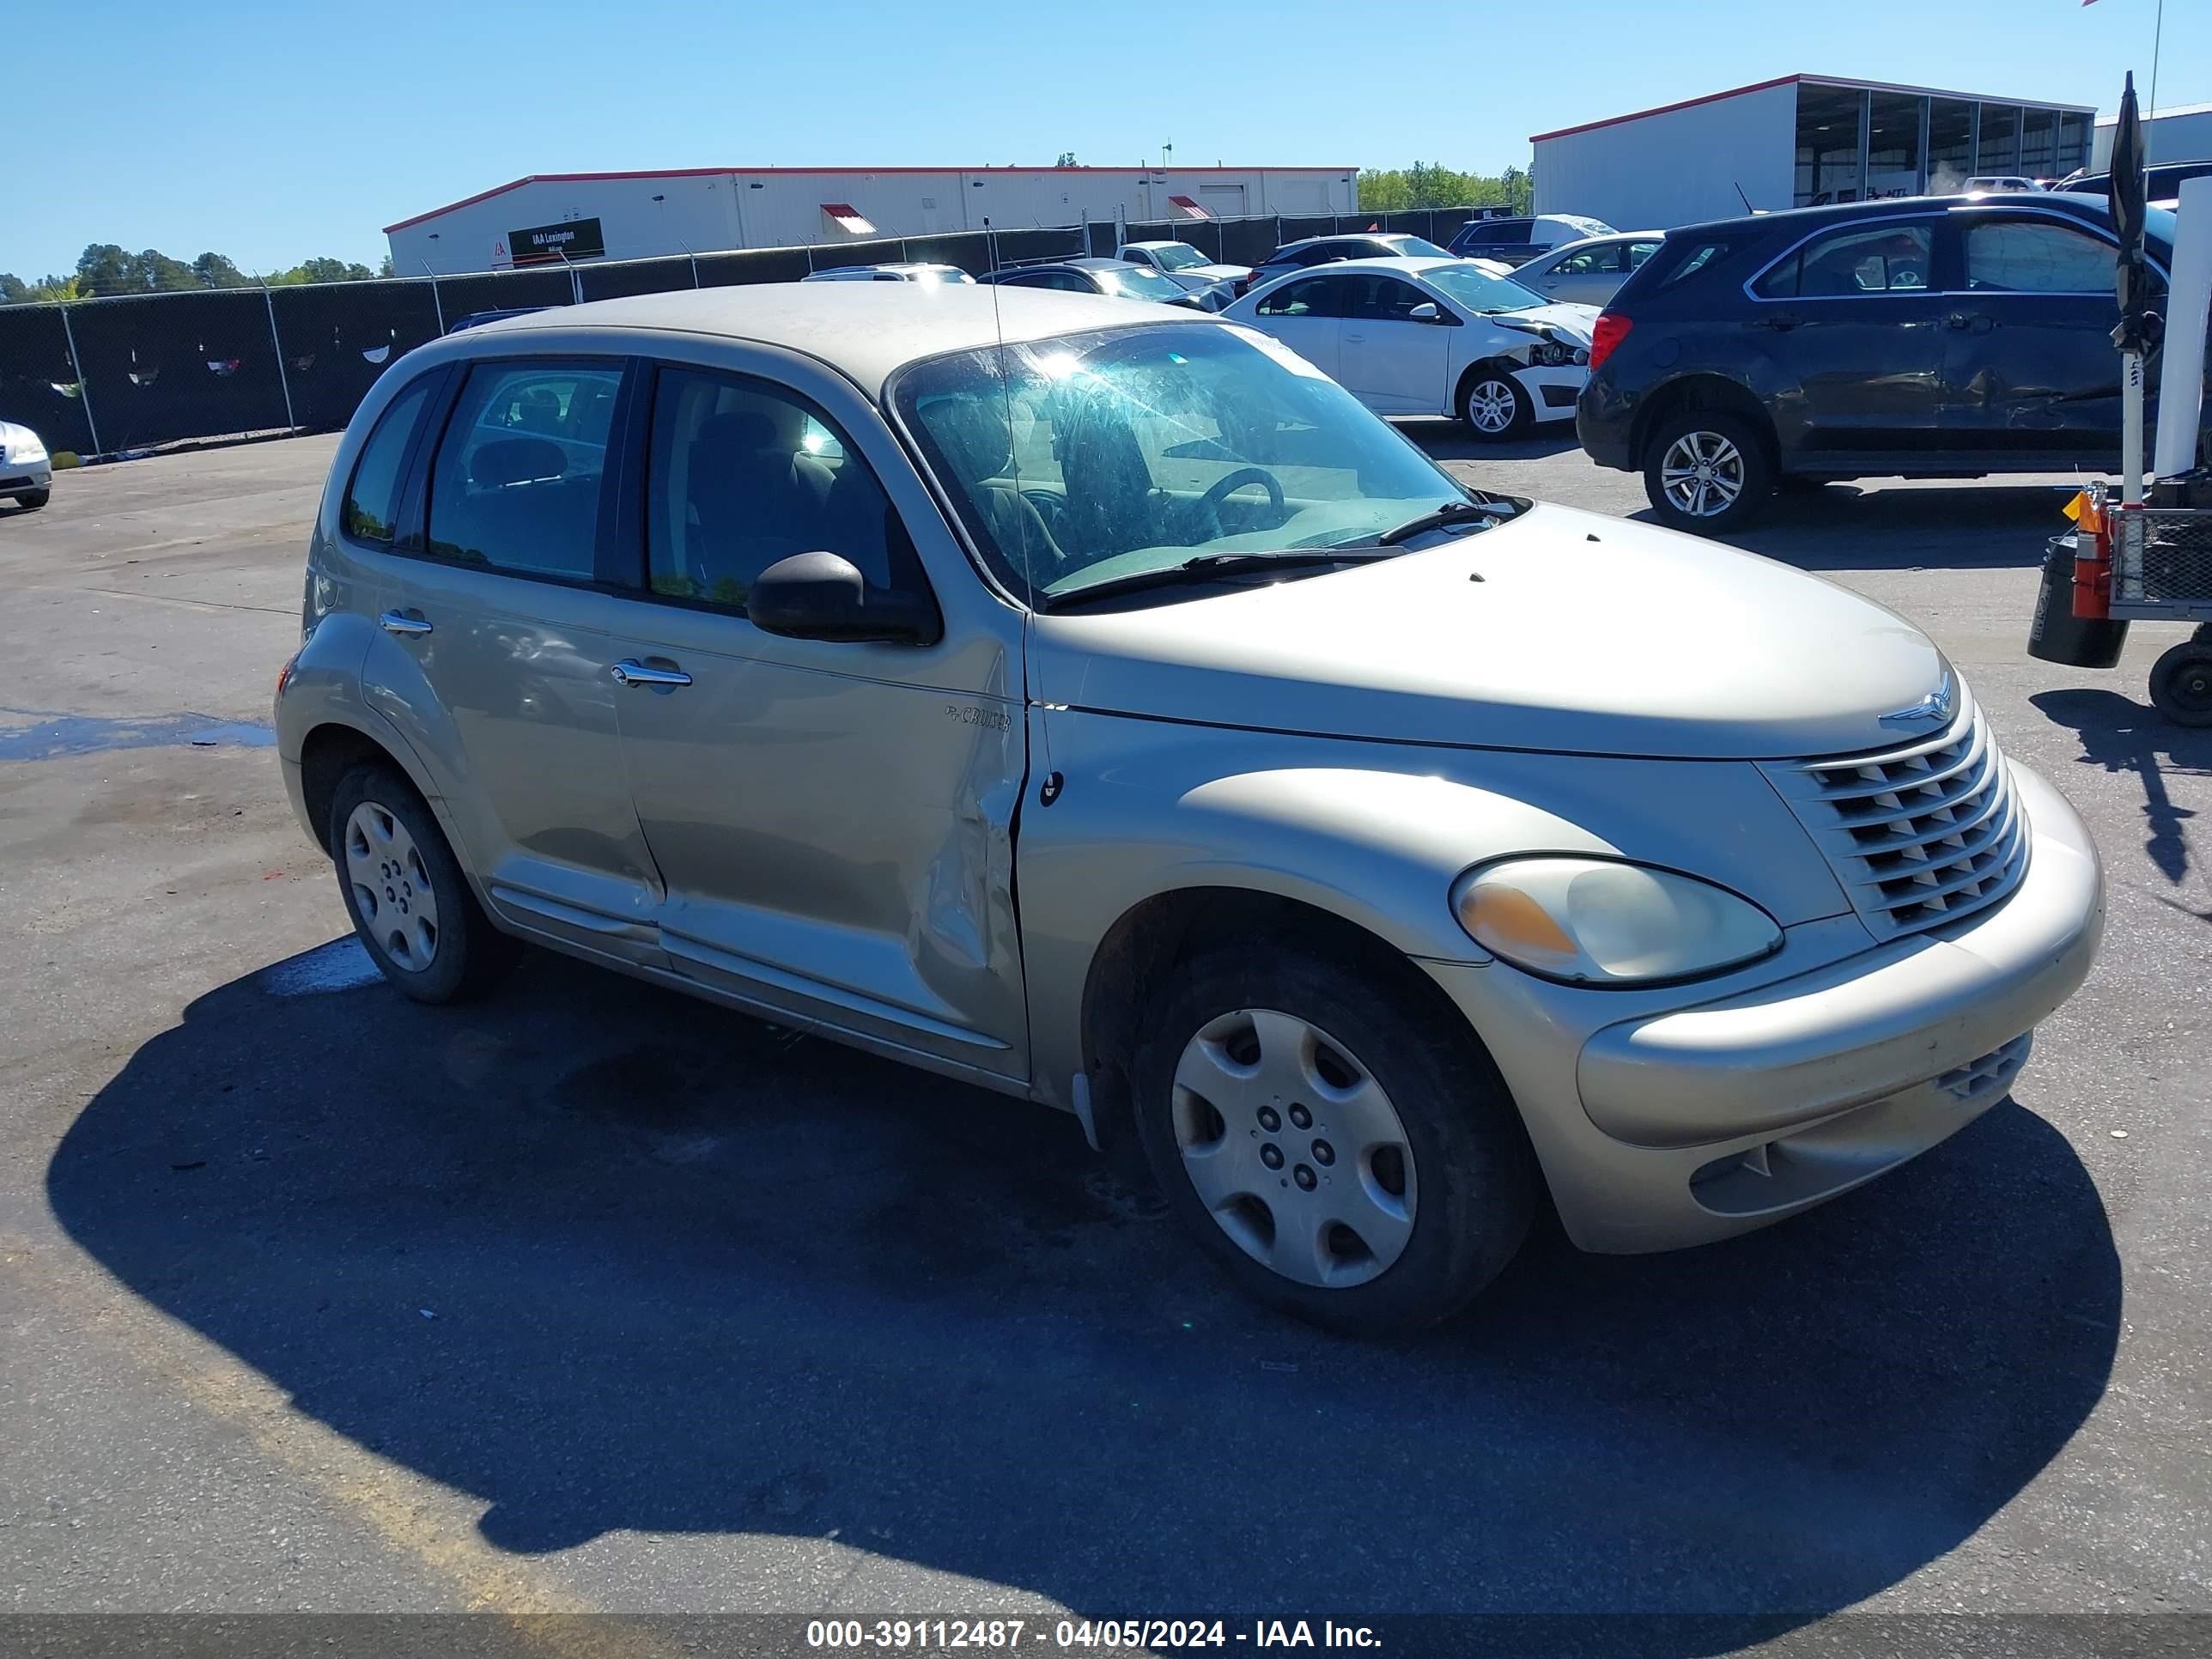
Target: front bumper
(1551, 389)
(18, 477)
(1683, 1126)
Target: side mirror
(1426, 312)
(821, 596)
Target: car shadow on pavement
(604, 1258)
(1849, 526)
(1451, 441)
(2122, 735)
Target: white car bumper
(19, 475)
(1551, 391)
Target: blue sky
(275, 132)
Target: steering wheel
(1206, 509)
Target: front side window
(1180, 257)
(1844, 264)
(1086, 457)
(2024, 256)
(372, 500)
(1411, 247)
(742, 474)
(1588, 261)
(516, 483)
(1316, 296)
(1384, 298)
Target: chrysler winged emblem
(1936, 706)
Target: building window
(2072, 142)
(2038, 144)
(1828, 132)
(1893, 144)
(2000, 151)
(1950, 144)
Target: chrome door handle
(630, 672)
(403, 623)
(1357, 339)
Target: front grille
(1919, 835)
(1990, 1074)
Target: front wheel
(1495, 406)
(32, 500)
(1707, 472)
(1340, 1161)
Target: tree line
(104, 268)
(1428, 184)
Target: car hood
(1561, 630)
(12, 434)
(1576, 322)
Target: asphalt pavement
(595, 1297)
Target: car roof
(1096, 262)
(1399, 265)
(866, 330)
(1341, 236)
(1610, 236)
(895, 265)
(1891, 207)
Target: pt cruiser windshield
(1092, 459)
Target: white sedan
(25, 473)
(1431, 337)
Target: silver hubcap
(1294, 1149)
(1702, 474)
(392, 886)
(1491, 406)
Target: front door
(833, 819)
(1390, 362)
(1304, 315)
(1853, 330)
(2029, 365)
(493, 660)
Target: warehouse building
(2172, 134)
(549, 217)
(1801, 141)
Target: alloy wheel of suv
(1707, 471)
(1336, 1157)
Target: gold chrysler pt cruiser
(1098, 704)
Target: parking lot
(595, 1297)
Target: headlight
(31, 451)
(1595, 922)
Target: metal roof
(1812, 80)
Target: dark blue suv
(1935, 337)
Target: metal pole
(84, 385)
(278, 343)
(436, 304)
(2131, 428)
(2157, 42)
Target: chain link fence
(99, 377)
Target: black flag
(2138, 328)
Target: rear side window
(1502, 232)
(516, 483)
(1316, 296)
(1696, 259)
(372, 500)
(1845, 263)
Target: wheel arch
(1716, 392)
(1158, 934)
(1502, 366)
(335, 747)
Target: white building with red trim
(620, 215)
(1798, 141)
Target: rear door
(1586, 275)
(494, 658)
(1390, 362)
(1305, 315)
(1854, 328)
(834, 819)
(2029, 366)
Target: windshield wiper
(1450, 512)
(1206, 566)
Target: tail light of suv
(1610, 330)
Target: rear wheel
(1707, 471)
(32, 500)
(1495, 406)
(410, 903)
(1340, 1161)
(2181, 683)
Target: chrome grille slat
(1920, 834)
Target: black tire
(467, 954)
(1494, 406)
(1740, 461)
(1473, 1177)
(2181, 683)
(32, 500)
